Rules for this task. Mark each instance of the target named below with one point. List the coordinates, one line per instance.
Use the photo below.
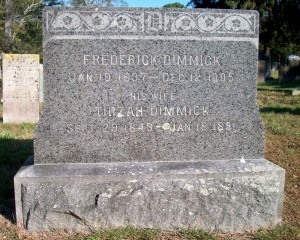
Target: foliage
(4, 41)
(174, 5)
(51, 3)
(279, 28)
(102, 3)
(27, 25)
(27, 22)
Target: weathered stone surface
(41, 90)
(20, 88)
(151, 84)
(149, 120)
(233, 196)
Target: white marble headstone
(20, 88)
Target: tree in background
(3, 37)
(174, 5)
(52, 3)
(21, 22)
(22, 25)
(286, 28)
(207, 3)
(279, 23)
(8, 25)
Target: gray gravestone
(161, 105)
(20, 88)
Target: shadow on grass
(294, 111)
(260, 89)
(291, 84)
(13, 153)
(274, 85)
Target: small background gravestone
(41, 89)
(290, 72)
(275, 70)
(261, 71)
(20, 88)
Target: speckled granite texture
(150, 120)
(143, 85)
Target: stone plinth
(236, 195)
(20, 88)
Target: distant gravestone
(295, 92)
(268, 66)
(149, 120)
(20, 88)
(283, 74)
(275, 74)
(261, 71)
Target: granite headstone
(20, 88)
(149, 120)
(155, 86)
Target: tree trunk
(8, 23)
(267, 51)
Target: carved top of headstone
(191, 23)
(134, 84)
(21, 60)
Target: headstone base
(233, 195)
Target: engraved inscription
(200, 60)
(126, 77)
(146, 60)
(152, 103)
(142, 111)
(160, 96)
(171, 127)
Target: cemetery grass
(280, 113)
